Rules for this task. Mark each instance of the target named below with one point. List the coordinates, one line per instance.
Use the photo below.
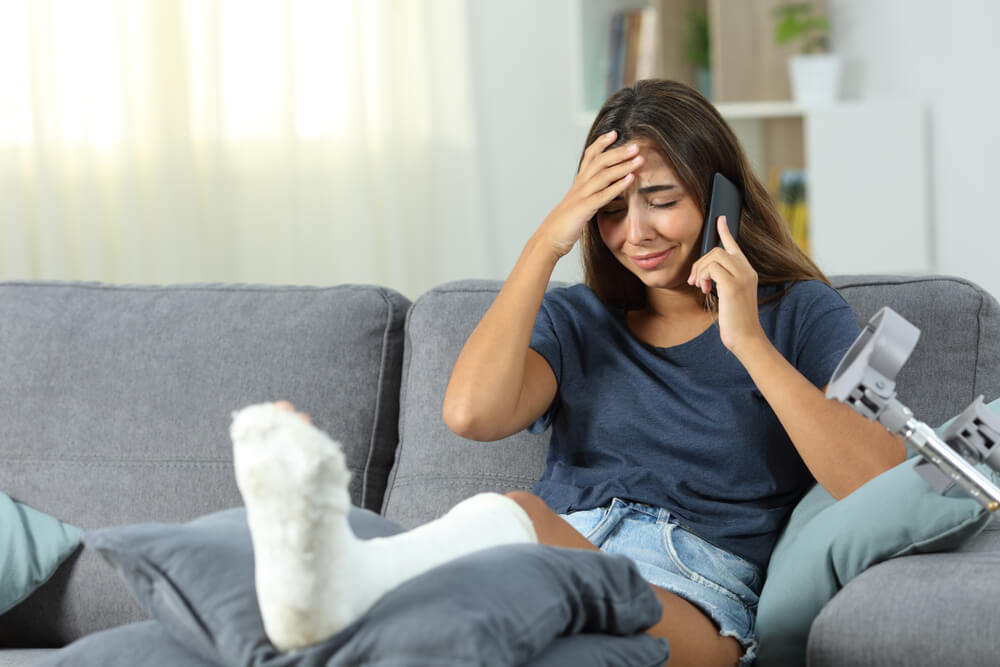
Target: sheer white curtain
(282, 141)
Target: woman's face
(654, 226)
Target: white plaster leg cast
(313, 576)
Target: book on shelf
(789, 188)
(632, 47)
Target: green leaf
(798, 21)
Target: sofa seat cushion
(117, 402)
(917, 611)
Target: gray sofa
(116, 401)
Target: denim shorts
(723, 585)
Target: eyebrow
(651, 188)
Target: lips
(651, 260)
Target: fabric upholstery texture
(197, 578)
(117, 402)
(32, 545)
(937, 609)
(147, 644)
(143, 644)
(499, 606)
(434, 467)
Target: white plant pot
(815, 78)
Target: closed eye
(621, 210)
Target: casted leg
(693, 637)
(313, 576)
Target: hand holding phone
(725, 199)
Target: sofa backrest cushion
(116, 403)
(434, 467)
(958, 354)
(957, 358)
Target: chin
(660, 281)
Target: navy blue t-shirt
(683, 427)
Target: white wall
(946, 56)
(524, 62)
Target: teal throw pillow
(32, 546)
(828, 543)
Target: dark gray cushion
(116, 403)
(148, 644)
(197, 577)
(499, 606)
(917, 611)
(593, 650)
(144, 644)
(958, 355)
(434, 467)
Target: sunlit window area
(156, 141)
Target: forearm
(842, 449)
(487, 378)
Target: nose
(637, 229)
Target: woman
(685, 426)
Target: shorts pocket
(712, 566)
(592, 523)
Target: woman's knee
(549, 527)
(535, 507)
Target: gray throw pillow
(500, 606)
(133, 645)
(148, 644)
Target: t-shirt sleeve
(545, 341)
(827, 332)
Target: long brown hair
(697, 142)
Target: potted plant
(813, 70)
(696, 49)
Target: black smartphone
(725, 199)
